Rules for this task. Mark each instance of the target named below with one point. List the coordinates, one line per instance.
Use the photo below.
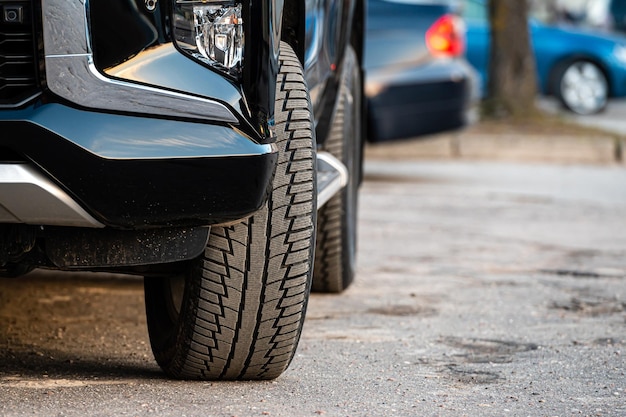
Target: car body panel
(133, 172)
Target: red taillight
(446, 37)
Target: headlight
(212, 32)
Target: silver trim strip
(61, 56)
(71, 74)
(26, 196)
(334, 186)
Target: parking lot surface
(483, 289)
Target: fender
(144, 30)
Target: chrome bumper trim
(26, 196)
(71, 74)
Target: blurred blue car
(581, 67)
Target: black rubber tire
(335, 254)
(244, 302)
(576, 102)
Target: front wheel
(237, 313)
(582, 87)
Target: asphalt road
(482, 290)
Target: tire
(237, 313)
(335, 253)
(582, 87)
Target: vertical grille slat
(18, 52)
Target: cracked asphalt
(483, 289)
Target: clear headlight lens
(211, 32)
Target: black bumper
(132, 172)
(419, 101)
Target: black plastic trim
(128, 176)
(78, 248)
(262, 24)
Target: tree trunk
(512, 80)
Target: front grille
(18, 52)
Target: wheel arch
(358, 43)
(358, 29)
(293, 25)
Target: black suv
(195, 143)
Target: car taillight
(446, 37)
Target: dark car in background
(417, 80)
(580, 66)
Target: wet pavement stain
(467, 375)
(578, 273)
(591, 306)
(487, 350)
(608, 341)
(403, 311)
(469, 367)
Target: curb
(519, 147)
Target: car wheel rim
(584, 88)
